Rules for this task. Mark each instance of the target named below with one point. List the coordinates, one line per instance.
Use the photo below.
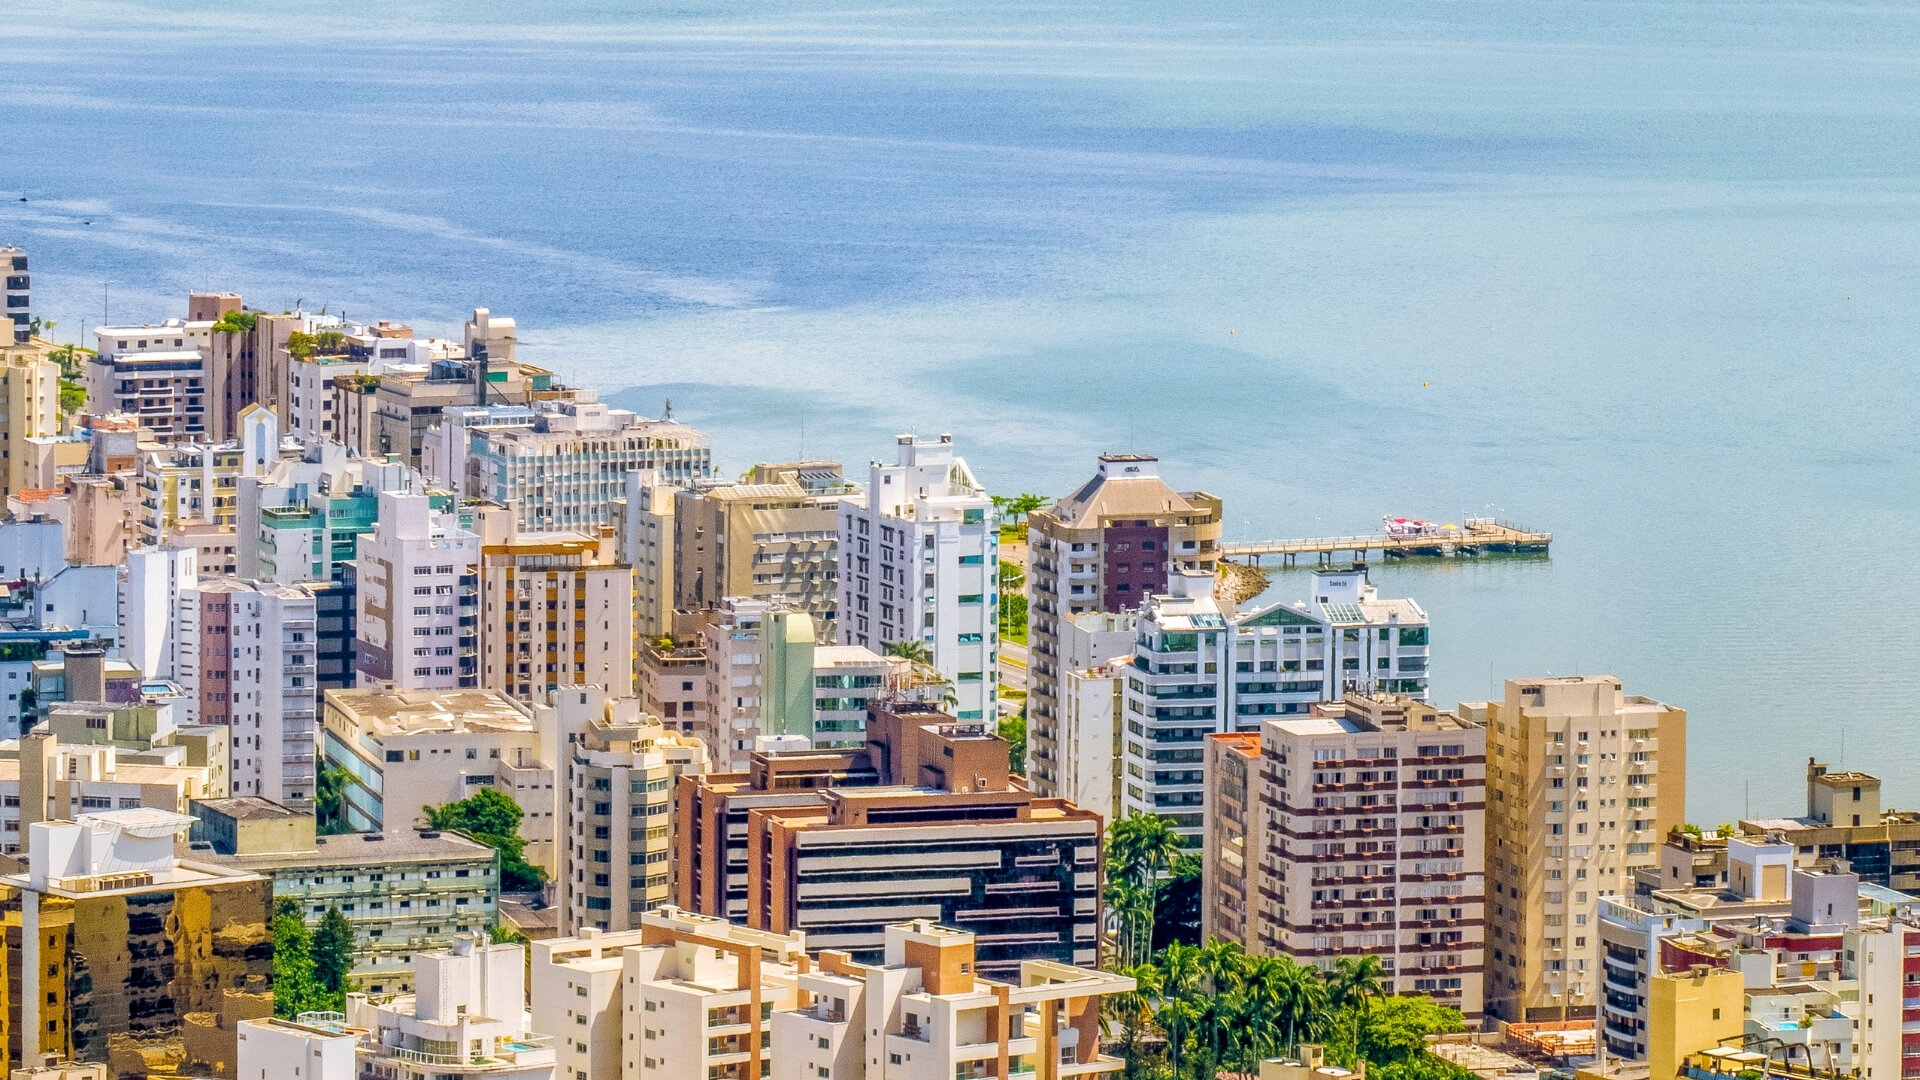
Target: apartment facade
(417, 596)
(313, 1047)
(711, 815)
(1081, 760)
(19, 294)
(824, 842)
(248, 660)
(402, 893)
(359, 350)
(566, 472)
(1375, 812)
(1104, 548)
(1583, 783)
(768, 674)
(920, 563)
(678, 995)
(922, 1011)
(52, 780)
(645, 532)
(774, 538)
(1845, 820)
(299, 519)
(156, 374)
(671, 682)
(1234, 840)
(614, 838)
(1199, 668)
(30, 406)
(556, 610)
(247, 358)
(406, 750)
(408, 401)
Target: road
(1013, 666)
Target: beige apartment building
(615, 767)
(1357, 831)
(556, 609)
(30, 404)
(1104, 548)
(1583, 782)
(773, 537)
(1233, 838)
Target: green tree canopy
(915, 651)
(1014, 730)
(237, 322)
(1140, 847)
(494, 820)
(295, 987)
(1395, 1029)
(1218, 1008)
(333, 952)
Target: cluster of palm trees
(1142, 849)
(1198, 1010)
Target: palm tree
(915, 651)
(1352, 985)
(1303, 1002)
(1140, 847)
(1134, 1009)
(1263, 1002)
(1223, 962)
(1180, 980)
(1130, 913)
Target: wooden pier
(1477, 537)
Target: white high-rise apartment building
(567, 471)
(417, 618)
(1199, 670)
(920, 562)
(247, 657)
(152, 621)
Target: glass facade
(153, 983)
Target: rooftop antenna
(667, 413)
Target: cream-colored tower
(30, 391)
(1583, 782)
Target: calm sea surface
(1643, 274)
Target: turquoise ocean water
(1643, 274)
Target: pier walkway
(1480, 536)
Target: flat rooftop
(414, 712)
(184, 873)
(248, 808)
(353, 849)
